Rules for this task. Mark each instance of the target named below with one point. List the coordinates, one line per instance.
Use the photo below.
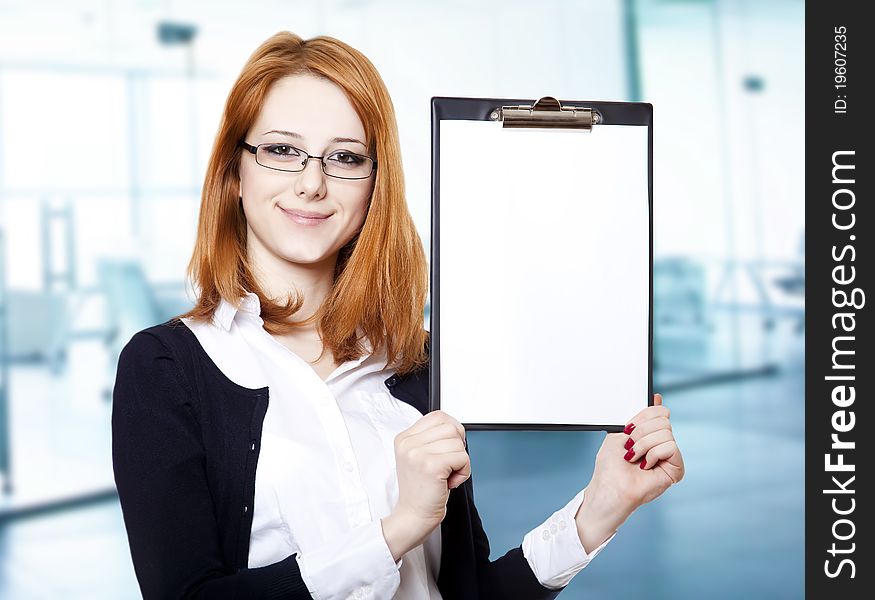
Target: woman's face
(304, 217)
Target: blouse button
(546, 534)
(252, 446)
(245, 508)
(391, 381)
(347, 466)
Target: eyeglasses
(341, 164)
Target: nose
(310, 183)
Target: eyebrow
(298, 136)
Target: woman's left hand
(648, 443)
(631, 469)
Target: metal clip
(546, 113)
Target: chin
(307, 257)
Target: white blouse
(337, 435)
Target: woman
(271, 441)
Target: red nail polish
(643, 464)
(629, 428)
(629, 454)
(629, 443)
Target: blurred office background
(107, 113)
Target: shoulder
(156, 351)
(158, 341)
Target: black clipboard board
(513, 374)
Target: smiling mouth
(304, 217)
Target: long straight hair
(381, 276)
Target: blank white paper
(544, 274)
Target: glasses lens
(280, 156)
(348, 165)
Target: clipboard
(541, 262)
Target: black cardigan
(185, 444)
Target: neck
(278, 278)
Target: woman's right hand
(430, 459)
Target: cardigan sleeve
(466, 571)
(527, 572)
(159, 468)
(509, 576)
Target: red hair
(381, 277)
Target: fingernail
(629, 454)
(629, 443)
(643, 464)
(629, 428)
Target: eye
(347, 159)
(281, 151)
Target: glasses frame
(307, 157)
